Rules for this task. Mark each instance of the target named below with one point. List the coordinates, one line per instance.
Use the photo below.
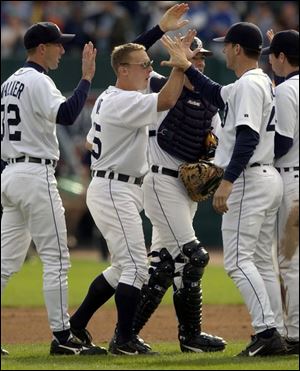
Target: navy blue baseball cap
(246, 34)
(44, 33)
(286, 42)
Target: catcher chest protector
(161, 278)
(183, 131)
(188, 300)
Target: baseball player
(246, 152)
(284, 58)
(118, 141)
(31, 106)
(177, 137)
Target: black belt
(121, 177)
(287, 169)
(35, 160)
(165, 171)
(152, 133)
(257, 164)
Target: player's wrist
(163, 27)
(186, 65)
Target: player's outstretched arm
(171, 91)
(170, 21)
(89, 61)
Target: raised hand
(177, 51)
(170, 21)
(270, 34)
(186, 42)
(88, 61)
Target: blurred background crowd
(110, 23)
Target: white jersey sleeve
(47, 98)
(248, 104)
(287, 108)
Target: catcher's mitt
(201, 179)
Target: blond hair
(120, 54)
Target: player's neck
(37, 61)
(244, 67)
(289, 69)
(124, 85)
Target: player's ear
(123, 70)
(237, 49)
(281, 57)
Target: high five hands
(179, 50)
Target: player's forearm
(207, 88)
(171, 91)
(245, 144)
(149, 38)
(71, 108)
(282, 145)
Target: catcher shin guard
(161, 278)
(188, 304)
(188, 299)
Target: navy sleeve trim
(206, 88)
(149, 38)
(282, 145)
(70, 109)
(156, 83)
(278, 80)
(245, 144)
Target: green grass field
(25, 290)
(34, 357)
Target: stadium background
(109, 23)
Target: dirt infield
(30, 325)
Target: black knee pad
(162, 272)
(197, 254)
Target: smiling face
(199, 61)
(136, 69)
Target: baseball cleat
(73, 346)
(202, 343)
(131, 348)
(136, 338)
(292, 346)
(4, 352)
(259, 346)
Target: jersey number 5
(12, 116)
(97, 143)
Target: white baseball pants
(247, 230)
(115, 207)
(32, 208)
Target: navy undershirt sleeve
(245, 144)
(206, 88)
(149, 38)
(282, 145)
(70, 109)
